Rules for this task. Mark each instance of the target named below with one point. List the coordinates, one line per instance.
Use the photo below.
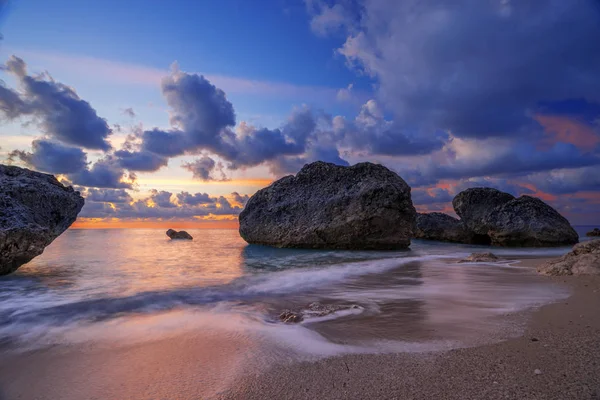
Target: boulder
(593, 232)
(35, 209)
(174, 235)
(584, 259)
(327, 206)
(442, 227)
(480, 257)
(528, 222)
(473, 205)
(500, 219)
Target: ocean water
(126, 286)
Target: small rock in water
(534, 339)
(537, 372)
(173, 234)
(594, 232)
(290, 317)
(480, 257)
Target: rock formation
(327, 206)
(528, 222)
(174, 235)
(473, 205)
(480, 257)
(500, 219)
(593, 232)
(584, 259)
(35, 209)
(442, 227)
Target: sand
(562, 341)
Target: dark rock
(503, 220)
(593, 232)
(584, 259)
(173, 234)
(480, 257)
(290, 317)
(442, 227)
(528, 222)
(473, 205)
(35, 209)
(326, 206)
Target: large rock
(528, 222)
(328, 206)
(584, 259)
(503, 220)
(480, 257)
(442, 227)
(35, 209)
(473, 205)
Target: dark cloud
(195, 199)
(162, 198)
(566, 181)
(57, 107)
(241, 199)
(477, 68)
(52, 157)
(206, 169)
(107, 195)
(141, 161)
(105, 173)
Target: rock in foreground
(480, 257)
(584, 259)
(442, 227)
(500, 219)
(35, 209)
(326, 206)
(594, 232)
(174, 235)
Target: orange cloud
(567, 130)
(115, 223)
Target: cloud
(140, 161)
(52, 157)
(60, 112)
(129, 112)
(205, 168)
(476, 68)
(107, 195)
(160, 204)
(105, 173)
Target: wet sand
(562, 341)
(566, 350)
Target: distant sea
(110, 286)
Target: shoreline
(195, 364)
(561, 340)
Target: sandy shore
(562, 340)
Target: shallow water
(111, 286)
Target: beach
(561, 340)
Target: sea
(119, 286)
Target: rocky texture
(584, 259)
(473, 205)
(500, 219)
(313, 310)
(326, 206)
(442, 227)
(594, 232)
(173, 234)
(35, 209)
(480, 257)
(528, 222)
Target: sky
(174, 113)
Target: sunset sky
(173, 113)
